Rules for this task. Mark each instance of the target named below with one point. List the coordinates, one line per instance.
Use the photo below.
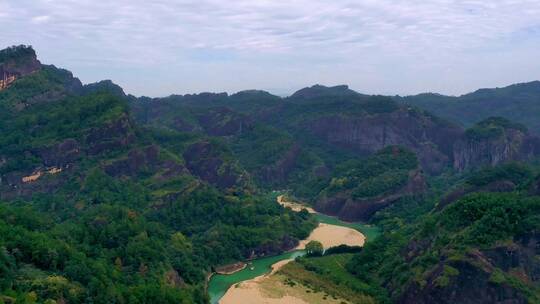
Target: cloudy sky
(159, 47)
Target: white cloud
(41, 19)
(317, 39)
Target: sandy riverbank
(268, 289)
(332, 235)
(294, 206)
(232, 268)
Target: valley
(106, 197)
(267, 288)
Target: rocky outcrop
(277, 173)
(145, 160)
(346, 208)
(535, 187)
(479, 278)
(16, 62)
(61, 154)
(205, 161)
(461, 191)
(492, 142)
(182, 125)
(136, 160)
(114, 135)
(320, 91)
(471, 285)
(224, 122)
(104, 86)
(25, 184)
(286, 243)
(430, 139)
(173, 279)
(63, 157)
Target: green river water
(219, 284)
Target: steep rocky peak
(493, 141)
(318, 90)
(494, 128)
(253, 95)
(16, 62)
(104, 86)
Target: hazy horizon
(376, 47)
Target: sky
(157, 48)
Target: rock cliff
(482, 276)
(347, 208)
(431, 140)
(492, 142)
(16, 62)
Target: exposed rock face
(17, 62)
(432, 141)
(64, 156)
(471, 286)
(26, 184)
(60, 154)
(116, 134)
(182, 125)
(473, 281)
(318, 91)
(104, 86)
(204, 161)
(224, 122)
(535, 187)
(278, 172)
(496, 186)
(348, 209)
(173, 278)
(145, 160)
(136, 160)
(285, 244)
(512, 145)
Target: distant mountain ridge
(517, 102)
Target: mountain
(96, 208)
(17, 61)
(481, 246)
(494, 141)
(301, 142)
(518, 102)
(110, 198)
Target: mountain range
(111, 198)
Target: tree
(314, 248)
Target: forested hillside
(98, 209)
(518, 102)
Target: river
(219, 284)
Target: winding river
(219, 284)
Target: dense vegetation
(433, 248)
(109, 247)
(16, 53)
(385, 171)
(110, 223)
(108, 198)
(478, 221)
(519, 103)
(327, 275)
(492, 128)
